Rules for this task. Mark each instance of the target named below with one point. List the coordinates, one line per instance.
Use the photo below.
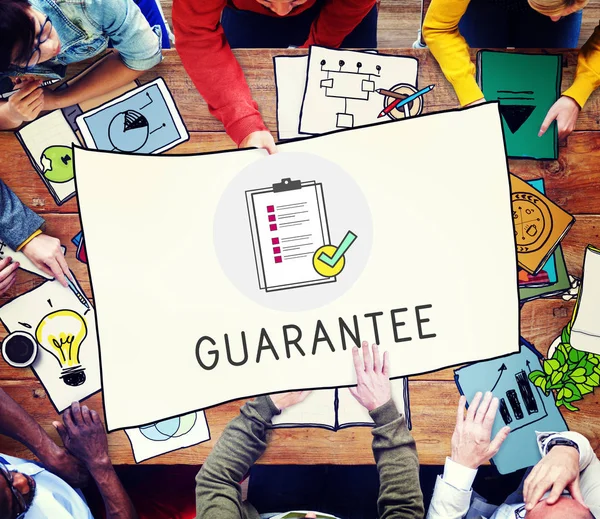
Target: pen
(76, 291)
(398, 103)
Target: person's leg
(485, 24)
(535, 30)
(245, 29)
(364, 35)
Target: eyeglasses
(16, 494)
(42, 37)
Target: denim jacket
(86, 26)
(17, 221)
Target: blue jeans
(490, 24)
(246, 29)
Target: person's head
(557, 9)
(25, 36)
(564, 507)
(281, 7)
(16, 493)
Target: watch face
(533, 222)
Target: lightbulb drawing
(61, 333)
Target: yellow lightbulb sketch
(61, 334)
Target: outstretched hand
(373, 387)
(45, 253)
(8, 274)
(83, 435)
(262, 139)
(557, 470)
(565, 111)
(472, 443)
(284, 400)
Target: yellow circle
(322, 268)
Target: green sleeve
(218, 489)
(400, 495)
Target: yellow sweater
(440, 30)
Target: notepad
(288, 221)
(539, 223)
(526, 86)
(337, 409)
(523, 407)
(48, 141)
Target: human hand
(557, 470)
(284, 400)
(27, 103)
(565, 111)
(8, 274)
(45, 253)
(83, 435)
(66, 466)
(472, 443)
(262, 139)
(373, 387)
(51, 100)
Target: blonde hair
(556, 7)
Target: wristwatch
(561, 441)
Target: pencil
(399, 102)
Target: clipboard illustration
(288, 222)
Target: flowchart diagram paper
(394, 236)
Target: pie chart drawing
(128, 131)
(169, 428)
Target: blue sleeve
(17, 221)
(139, 45)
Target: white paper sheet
(168, 435)
(290, 80)
(432, 221)
(341, 87)
(47, 302)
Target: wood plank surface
(573, 181)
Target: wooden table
(573, 181)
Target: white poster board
(418, 206)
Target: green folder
(526, 86)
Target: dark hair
(17, 32)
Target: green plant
(571, 373)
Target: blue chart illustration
(170, 428)
(142, 123)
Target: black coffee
(19, 349)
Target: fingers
(271, 147)
(34, 97)
(474, 405)
(8, 283)
(483, 407)
(576, 494)
(95, 417)
(76, 413)
(68, 420)
(537, 488)
(62, 432)
(354, 392)
(376, 359)
(64, 268)
(490, 415)
(57, 271)
(7, 269)
(386, 364)
(368, 361)
(460, 411)
(498, 440)
(25, 88)
(550, 116)
(87, 419)
(358, 365)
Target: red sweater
(208, 59)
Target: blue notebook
(523, 407)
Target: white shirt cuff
(458, 475)
(586, 453)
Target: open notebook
(336, 409)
